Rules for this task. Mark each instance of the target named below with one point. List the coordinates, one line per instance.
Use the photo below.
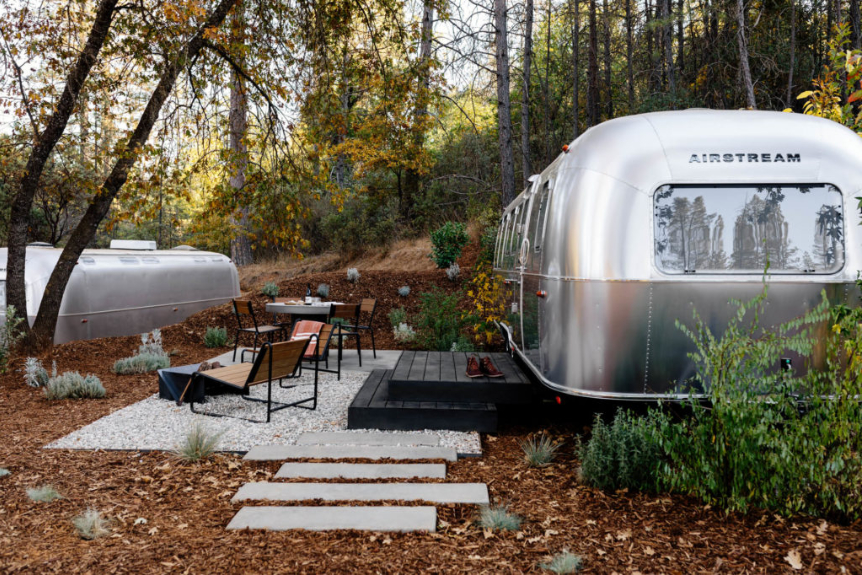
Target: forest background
(303, 126)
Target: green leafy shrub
(562, 563)
(269, 289)
(43, 494)
(769, 438)
(539, 451)
(35, 374)
(626, 454)
(398, 316)
(91, 525)
(10, 334)
(323, 291)
(73, 385)
(199, 443)
(150, 356)
(447, 241)
(463, 345)
(498, 518)
(215, 337)
(438, 322)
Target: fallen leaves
(794, 559)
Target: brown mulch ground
(168, 516)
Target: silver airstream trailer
(126, 291)
(647, 216)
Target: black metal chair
(243, 308)
(368, 306)
(344, 314)
(274, 362)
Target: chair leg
(373, 345)
(268, 399)
(235, 344)
(359, 349)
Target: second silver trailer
(647, 217)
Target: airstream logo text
(750, 158)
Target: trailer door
(530, 273)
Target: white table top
(322, 308)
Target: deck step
(284, 452)
(426, 376)
(329, 518)
(474, 493)
(372, 438)
(373, 408)
(361, 471)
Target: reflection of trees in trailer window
(717, 229)
(501, 235)
(511, 239)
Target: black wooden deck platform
(435, 376)
(431, 390)
(373, 408)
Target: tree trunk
(593, 70)
(748, 85)
(546, 116)
(630, 78)
(504, 106)
(240, 245)
(609, 93)
(42, 334)
(680, 57)
(19, 218)
(651, 84)
(668, 47)
(576, 88)
(855, 35)
(525, 94)
(789, 100)
(410, 190)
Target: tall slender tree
(745, 68)
(240, 244)
(593, 69)
(525, 92)
(576, 71)
(504, 106)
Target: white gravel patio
(158, 424)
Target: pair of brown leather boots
(482, 367)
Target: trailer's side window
(512, 239)
(539, 215)
(741, 229)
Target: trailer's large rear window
(739, 229)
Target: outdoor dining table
(312, 311)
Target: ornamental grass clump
(498, 518)
(43, 494)
(35, 374)
(91, 525)
(198, 444)
(539, 451)
(453, 271)
(150, 357)
(270, 289)
(215, 337)
(73, 385)
(561, 563)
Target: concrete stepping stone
(374, 438)
(282, 452)
(475, 493)
(329, 518)
(361, 470)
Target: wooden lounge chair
(275, 362)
